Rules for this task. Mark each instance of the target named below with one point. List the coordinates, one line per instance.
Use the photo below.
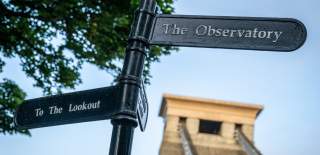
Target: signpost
(126, 102)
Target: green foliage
(53, 38)
(10, 97)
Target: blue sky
(287, 84)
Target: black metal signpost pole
(130, 80)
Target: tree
(53, 38)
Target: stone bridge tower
(210, 126)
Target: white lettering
(225, 33)
(201, 30)
(232, 32)
(241, 32)
(176, 29)
(166, 28)
(219, 32)
(269, 34)
(39, 112)
(262, 34)
(255, 33)
(248, 34)
(277, 34)
(211, 31)
(55, 110)
(184, 30)
(84, 106)
(173, 29)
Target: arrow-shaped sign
(251, 33)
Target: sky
(287, 84)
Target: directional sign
(82, 106)
(251, 33)
(142, 109)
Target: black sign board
(142, 109)
(82, 106)
(251, 33)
